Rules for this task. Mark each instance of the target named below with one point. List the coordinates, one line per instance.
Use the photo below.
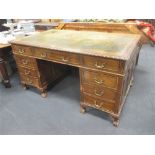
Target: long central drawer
(59, 56)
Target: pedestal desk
(106, 62)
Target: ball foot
(44, 94)
(115, 121)
(82, 109)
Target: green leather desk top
(112, 45)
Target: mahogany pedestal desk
(106, 62)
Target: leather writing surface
(84, 42)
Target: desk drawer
(26, 61)
(100, 92)
(40, 53)
(29, 80)
(97, 103)
(59, 56)
(101, 63)
(64, 57)
(99, 79)
(21, 50)
(28, 72)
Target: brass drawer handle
(64, 59)
(98, 81)
(97, 105)
(100, 66)
(98, 94)
(27, 72)
(21, 50)
(43, 55)
(25, 62)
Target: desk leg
(4, 73)
(82, 109)
(43, 93)
(115, 121)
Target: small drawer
(99, 79)
(29, 80)
(100, 92)
(97, 103)
(25, 61)
(40, 53)
(22, 50)
(28, 72)
(101, 63)
(63, 57)
(72, 58)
